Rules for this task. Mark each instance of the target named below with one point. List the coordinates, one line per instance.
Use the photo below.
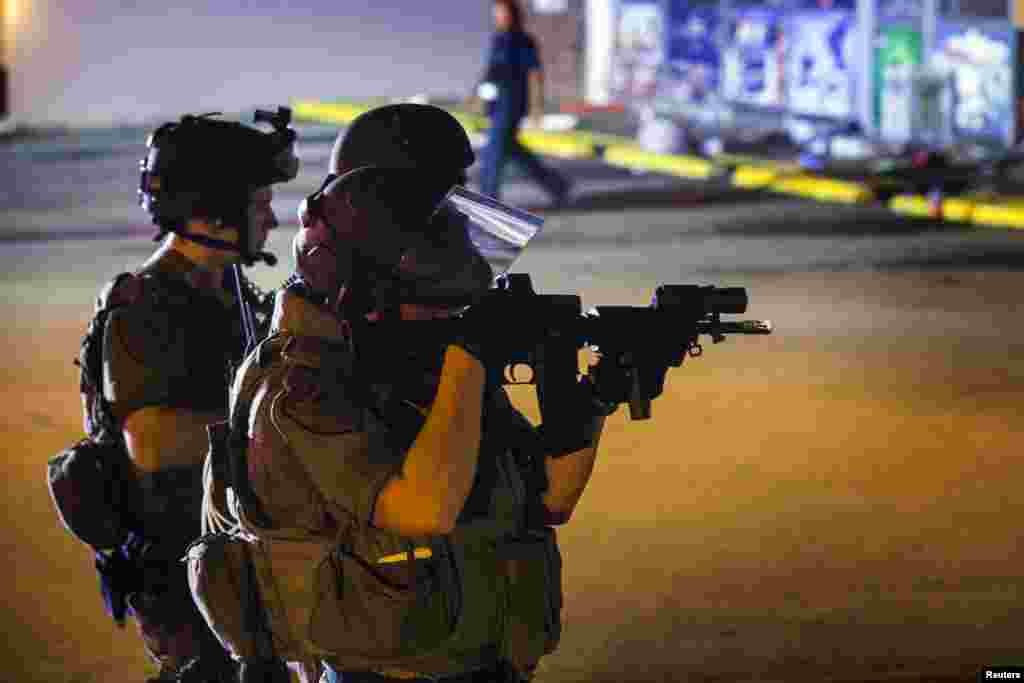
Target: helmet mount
(202, 167)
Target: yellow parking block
(1007, 212)
(915, 205)
(824, 189)
(338, 113)
(556, 144)
(959, 209)
(755, 177)
(473, 123)
(633, 157)
(570, 144)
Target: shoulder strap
(101, 425)
(247, 381)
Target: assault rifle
(518, 329)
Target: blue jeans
(502, 144)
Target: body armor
(331, 586)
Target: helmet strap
(248, 258)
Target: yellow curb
(328, 112)
(824, 189)
(473, 123)
(954, 209)
(554, 144)
(1008, 213)
(959, 209)
(630, 156)
(914, 205)
(755, 177)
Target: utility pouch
(533, 568)
(215, 566)
(228, 591)
(383, 611)
(95, 492)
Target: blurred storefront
(558, 27)
(930, 72)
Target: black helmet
(407, 135)
(389, 172)
(200, 166)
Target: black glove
(616, 383)
(120, 574)
(579, 420)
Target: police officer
(512, 87)
(403, 510)
(173, 330)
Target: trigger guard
(510, 373)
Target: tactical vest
(92, 483)
(489, 591)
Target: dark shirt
(512, 55)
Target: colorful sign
(639, 50)
(978, 61)
(694, 60)
(898, 57)
(752, 58)
(821, 64)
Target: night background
(106, 61)
(838, 501)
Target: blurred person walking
(512, 86)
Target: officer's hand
(580, 418)
(615, 382)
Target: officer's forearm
(568, 477)
(441, 463)
(158, 437)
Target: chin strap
(248, 258)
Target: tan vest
(362, 598)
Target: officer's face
(261, 218)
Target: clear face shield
(470, 242)
(465, 243)
(499, 233)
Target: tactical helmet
(362, 233)
(390, 170)
(406, 135)
(203, 167)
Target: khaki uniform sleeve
(143, 356)
(326, 434)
